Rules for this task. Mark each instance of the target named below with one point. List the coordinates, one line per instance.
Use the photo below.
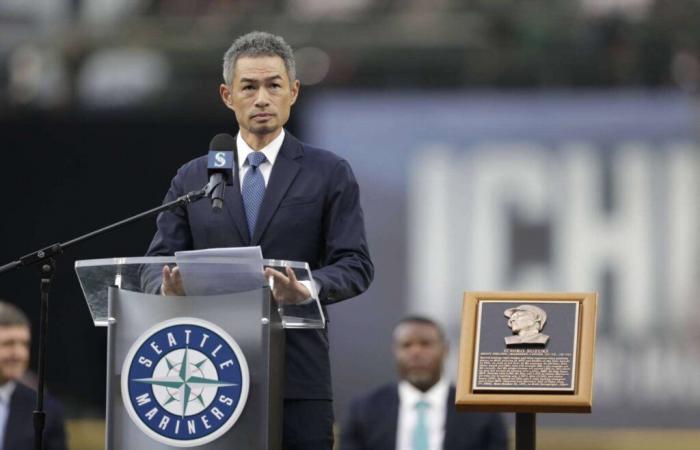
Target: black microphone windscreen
(222, 142)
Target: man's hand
(172, 282)
(286, 288)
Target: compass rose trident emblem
(185, 382)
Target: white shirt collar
(6, 391)
(270, 150)
(436, 395)
(435, 414)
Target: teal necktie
(420, 432)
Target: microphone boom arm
(55, 249)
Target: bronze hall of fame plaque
(526, 345)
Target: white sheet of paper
(221, 278)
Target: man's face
(14, 352)
(522, 320)
(261, 94)
(419, 353)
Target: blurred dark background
(102, 100)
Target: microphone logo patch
(220, 159)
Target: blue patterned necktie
(420, 432)
(253, 189)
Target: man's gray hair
(258, 43)
(12, 316)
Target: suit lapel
(283, 173)
(234, 204)
(392, 416)
(19, 415)
(450, 426)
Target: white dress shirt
(270, 150)
(436, 414)
(6, 391)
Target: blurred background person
(418, 412)
(17, 401)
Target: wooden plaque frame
(580, 401)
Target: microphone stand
(45, 256)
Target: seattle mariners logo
(185, 382)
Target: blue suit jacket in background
(19, 430)
(311, 212)
(372, 423)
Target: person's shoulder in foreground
(313, 157)
(16, 424)
(20, 433)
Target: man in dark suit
(418, 413)
(17, 402)
(296, 202)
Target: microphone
(220, 163)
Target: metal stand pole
(47, 271)
(525, 425)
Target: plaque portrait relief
(526, 322)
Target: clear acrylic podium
(203, 370)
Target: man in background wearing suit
(418, 413)
(296, 202)
(17, 402)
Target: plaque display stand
(527, 353)
(123, 295)
(525, 431)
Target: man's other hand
(286, 288)
(172, 281)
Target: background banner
(564, 191)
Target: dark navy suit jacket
(311, 212)
(372, 422)
(19, 430)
